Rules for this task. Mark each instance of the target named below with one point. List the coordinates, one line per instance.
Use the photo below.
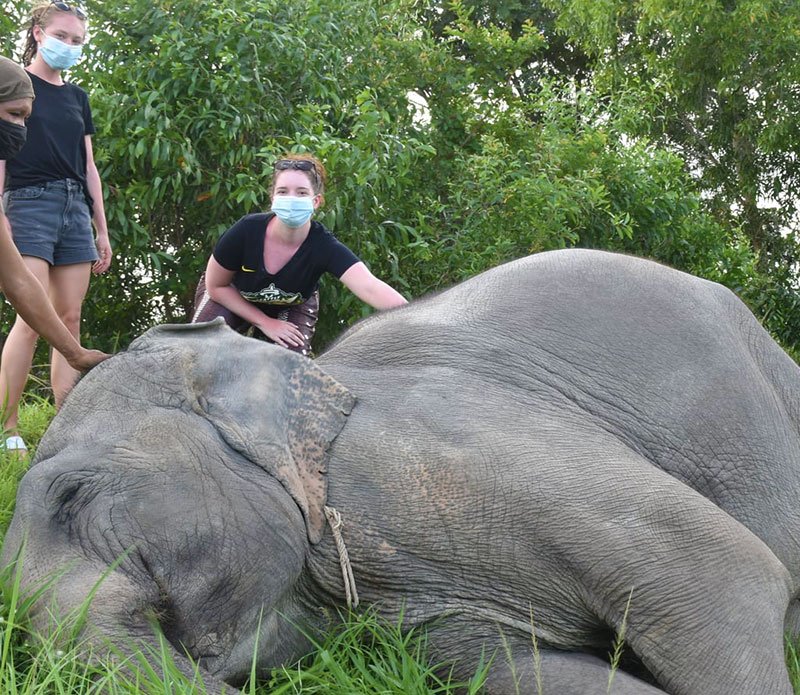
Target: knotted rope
(336, 523)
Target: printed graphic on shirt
(273, 295)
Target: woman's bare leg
(68, 287)
(17, 357)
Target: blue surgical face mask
(59, 55)
(293, 211)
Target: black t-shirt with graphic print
(241, 250)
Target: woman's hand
(86, 359)
(102, 264)
(284, 333)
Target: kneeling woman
(265, 270)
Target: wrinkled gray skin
(523, 452)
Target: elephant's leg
(560, 673)
(707, 597)
(515, 667)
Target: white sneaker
(14, 443)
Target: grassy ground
(366, 656)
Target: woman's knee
(22, 332)
(71, 318)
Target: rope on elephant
(336, 523)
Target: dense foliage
(458, 135)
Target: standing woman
(265, 270)
(52, 193)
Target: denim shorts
(52, 221)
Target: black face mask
(12, 138)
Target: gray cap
(14, 81)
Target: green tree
(553, 57)
(553, 167)
(713, 82)
(718, 82)
(194, 101)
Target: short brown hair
(317, 175)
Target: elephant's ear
(280, 411)
(317, 408)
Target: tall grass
(365, 655)
(35, 413)
(369, 655)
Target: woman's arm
(369, 289)
(31, 302)
(99, 216)
(220, 288)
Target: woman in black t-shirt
(19, 284)
(52, 195)
(265, 270)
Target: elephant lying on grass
(522, 453)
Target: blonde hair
(318, 176)
(42, 11)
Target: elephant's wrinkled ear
(317, 409)
(282, 414)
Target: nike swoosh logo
(248, 270)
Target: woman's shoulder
(68, 89)
(254, 219)
(319, 232)
(77, 90)
(247, 225)
(324, 237)
(329, 250)
(72, 86)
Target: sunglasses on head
(299, 164)
(66, 7)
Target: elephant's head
(276, 408)
(176, 481)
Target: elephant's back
(627, 340)
(572, 300)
